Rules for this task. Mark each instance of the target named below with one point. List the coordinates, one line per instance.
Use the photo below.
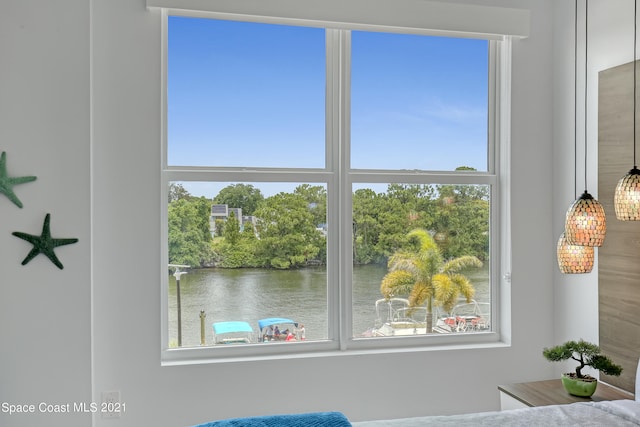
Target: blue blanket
(313, 419)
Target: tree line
(289, 227)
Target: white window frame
(339, 180)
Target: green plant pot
(578, 387)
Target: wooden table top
(551, 392)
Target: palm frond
(445, 291)
(420, 294)
(397, 282)
(424, 238)
(404, 262)
(464, 285)
(460, 263)
(430, 262)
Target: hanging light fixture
(626, 200)
(585, 223)
(574, 259)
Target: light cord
(586, 68)
(575, 103)
(635, 54)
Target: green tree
(236, 249)
(239, 255)
(381, 220)
(231, 232)
(203, 208)
(421, 273)
(461, 220)
(366, 227)
(244, 196)
(189, 236)
(288, 236)
(418, 199)
(248, 231)
(411, 194)
(177, 192)
(394, 220)
(219, 226)
(316, 198)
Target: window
(243, 94)
(421, 95)
(329, 189)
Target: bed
(619, 413)
(606, 413)
(597, 414)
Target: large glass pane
(418, 102)
(245, 94)
(254, 251)
(420, 256)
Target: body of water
(300, 295)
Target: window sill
(200, 356)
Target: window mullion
(334, 197)
(345, 206)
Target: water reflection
(253, 294)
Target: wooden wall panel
(619, 256)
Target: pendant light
(574, 259)
(585, 223)
(626, 200)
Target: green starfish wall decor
(7, 183)
(44, 243)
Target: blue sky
(248, 94)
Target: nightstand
(551, 392)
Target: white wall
(126, 237)
(46, 314)
(610, 43)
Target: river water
(253, 294)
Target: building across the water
(222, 212)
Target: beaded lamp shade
(577, 258)
(586, 223)
(627, 197)
(574, 259)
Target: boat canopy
(264, 323)
(234, 326)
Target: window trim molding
(436, 17)
(502, 291)
(338, 176)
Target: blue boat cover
(263, 323)
(226, 327)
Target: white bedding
(585, 414)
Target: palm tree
(425, 276)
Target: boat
(394, 317)
(277, 329)
(233, 332)
(466, 316)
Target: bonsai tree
(586, 354)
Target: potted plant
(586, 354)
